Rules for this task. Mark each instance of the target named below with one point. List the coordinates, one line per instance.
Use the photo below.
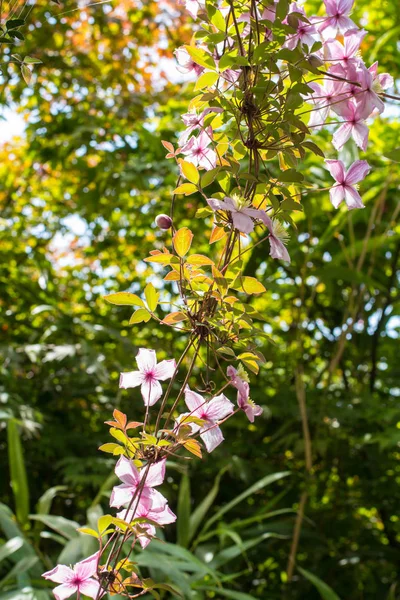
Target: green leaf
(325, 591)
(151, 296)
(21, 567)
(289, 204)
(232, 552)
(10, 547)
(201, 57)
(183, 511)
(19, 481)
(26, 74)
(198, 515)
(14, 23)
(124, 299)
(249, 285)
(226, 593)
(44, 503)
(393, 155)
(206, 80)
(291, 175)
(30, 60)
(140, 315)
(256, 487)
(63, 526)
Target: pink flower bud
(164, 222)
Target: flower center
(149, 376)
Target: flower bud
(164, 222)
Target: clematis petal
(151, 392)
(331, 7)
(357, 172)
(242, 222)
(219, 204)
(130, 380)
(60, 574)
(121, 494)
(154, 474)
(342, 135)
(126, 471)
(146, 359)
(385, 80)
(252, 212)
(352, 41)
(360, 134)
(158, 501)
(90, 588)
(336, 194)
(88, 567)
(208, 160)
(345, 6)
(336, 169)
(278, 249)
(193, 399)
(64, 591)
(218, 408)
(163, 517)
(352, 198)
(252, 411)
(212, 437)
(165, 369)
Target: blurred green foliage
(79, 195)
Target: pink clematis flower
(380, 81)
(192, 121)
(278, 237)
(162, 516)
(210, 412)
(192, 6)
(243, 396)
(325, 98)
(346, 52)
(149, 375)
(354, 126)
(186, 63)
(305, 34)
(242, 214)
(198, 152)
(346, 180)
(337, 19)
(78, 579)
(367, 98)
(131, 478)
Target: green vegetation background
(79, 195)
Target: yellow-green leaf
(199, 260)
(140, 315)
(110, 448)
(104, 522)
(206, 80)
(164, 258)
(220, 281)
(124, 299)
(249, 285)
(151, 296)
(189, 171)
(201, 57)
(186, 188)
(182, 241)
(89, 531)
